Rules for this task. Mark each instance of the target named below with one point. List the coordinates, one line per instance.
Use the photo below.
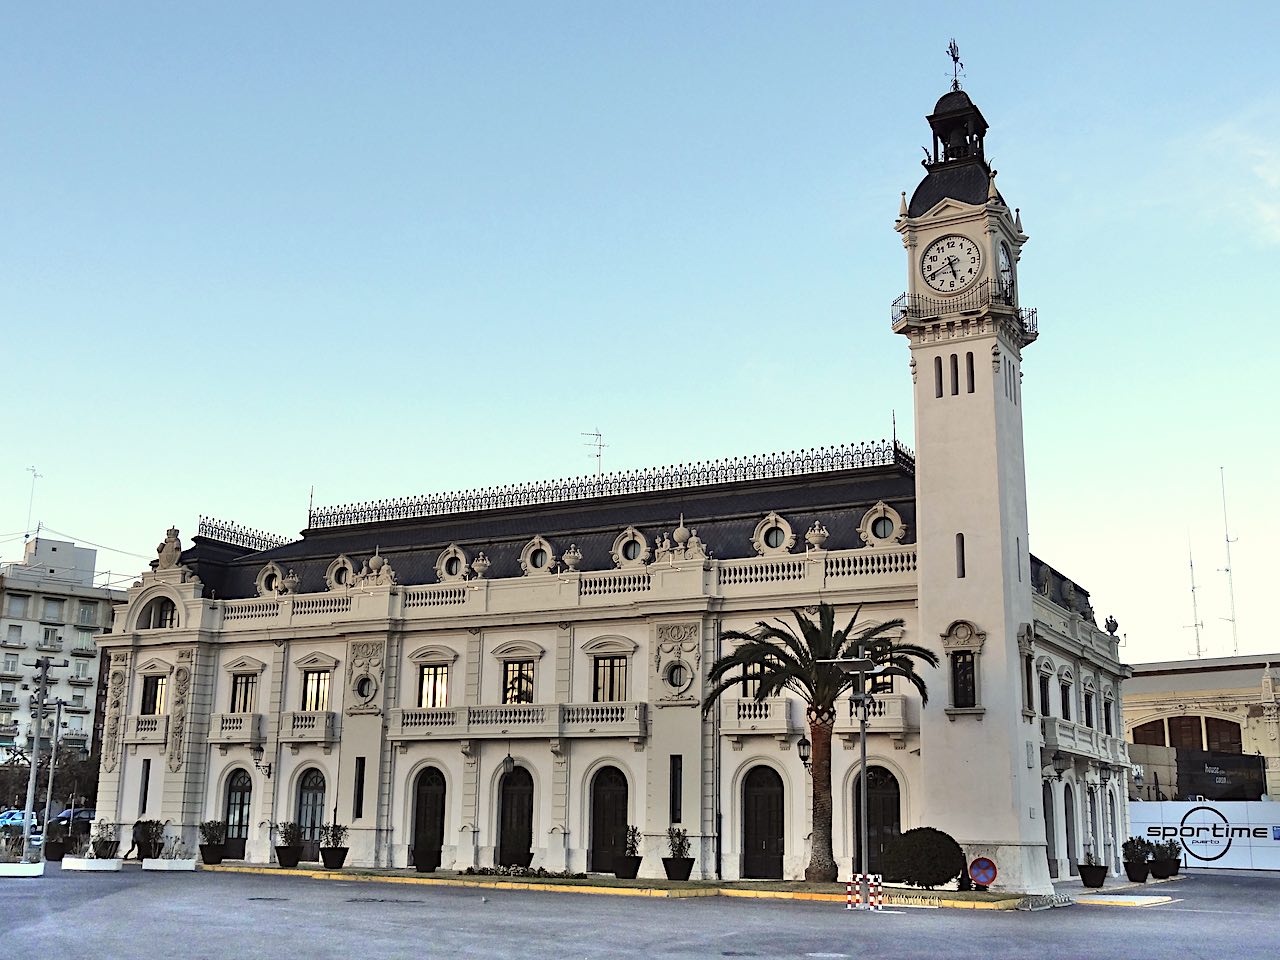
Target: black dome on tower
(958, 167)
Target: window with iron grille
(244, 692)
(517, 681)
(610, 684)
(964, 681)
(433, 685)
(153, 695)
(315, 691)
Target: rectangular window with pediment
(610, 680)
(1088, 709)
(433, 685)
(315, 690)
(244, 692)
(1066, 700)
(517, 681)
(964, 679)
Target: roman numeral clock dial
(950, 264)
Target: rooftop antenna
(31, 500)
(311, 502)
(1196, 623)
(894, 415)
(597, 441)
(1231, 590)
(953, 52)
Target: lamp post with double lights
(863, 667)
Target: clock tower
(966, 329)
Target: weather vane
(953, 52)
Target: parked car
(13, 818)
(83, 821)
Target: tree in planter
(213, 838)
(289, 849)
(105, 844)
(333, 849)
(628, 864)
(150, 834)
(783, 660)
(679, 865)
(1135, 853)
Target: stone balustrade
(235, 728)
(309, 726)
(894, 714)
(1082, 741)
(773, 717)
(515, 720)
(151, 728)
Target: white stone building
(516, 674)
(49, 606)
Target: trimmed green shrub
(923, 857)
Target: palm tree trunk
(822, 862)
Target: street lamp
(805, 749)
(862, 666)
(256, 751)
(1059, 765)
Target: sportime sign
(1233, 834)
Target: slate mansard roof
(723, 502)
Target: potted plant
(11, 862)
(289, 849)
(150, 834)
(55, 847)
(213, 837)
(333, 850)
(102, 854)
(1136, 850)
(175, 856)
(1092, 873)
(679, 865)
(628, 865)
(1165, 859)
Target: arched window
(1150, 734)
(160, 614)
(311, 807)
(1223, 736)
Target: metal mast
(1231, 589)
(1196, 623)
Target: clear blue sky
(398, 248)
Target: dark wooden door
(608, 820)
(311, 812)
(884, 817)
(762, 827)
(239, 793)
(515, 819)
(428, 819)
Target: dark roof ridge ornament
(953, 51)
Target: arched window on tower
(968, 371)
(1223, 736)
(937, 376)
(955, 375)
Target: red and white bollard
(875, 892)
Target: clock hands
(950, 262)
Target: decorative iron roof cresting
(226, 532)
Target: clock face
(950, 264)
(1006, 267)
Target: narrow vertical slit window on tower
(357, 803)
(1018, 555)
(937, 376)
(676, 797)
(959, 556)
(955, 375)
(968, 371)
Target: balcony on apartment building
(146, 729)
(514, 720)
(235, 729)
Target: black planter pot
(148, 850)
(1136, 872)
(627, 868)
(333, 857)
(1093, 875)
(106, 849)
(212, 853)
(289, 856)
(678, 868)
(55, 850)
(1164, 869)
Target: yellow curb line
(1150, 902)
(660, 892)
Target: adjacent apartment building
(515, 675)
(49, 606)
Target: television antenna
(1197, 624)
(597, 441)
(31, 500)
(1231, 589)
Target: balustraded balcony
(775, 716)
(311, 726)
(231, 729)
(520, 720)
(147, 729)
(887, 713)
(1076, 739)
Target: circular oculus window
(774, 537)
(538, 559)
(631, 550)
(882, 528)
(453, 566)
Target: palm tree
(783, 660)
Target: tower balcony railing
(986, 294)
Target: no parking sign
(983, 871)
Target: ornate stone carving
(1044, 581)
(169, 551)
(480, 566)
(963, 635)
(683, 544)
(571, 557)
(365, 663)
(178, 711)
(375, 572)
(817, 536)
(677, 654)
(111, 733)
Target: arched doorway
(239, 793)
(1112, 863)
(515, 819)
(608, 820)
(311, 812)
(884, 816)
(428, 819)
(762, 827)
(1050, 831)
(1069, 813)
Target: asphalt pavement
(156, 916)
